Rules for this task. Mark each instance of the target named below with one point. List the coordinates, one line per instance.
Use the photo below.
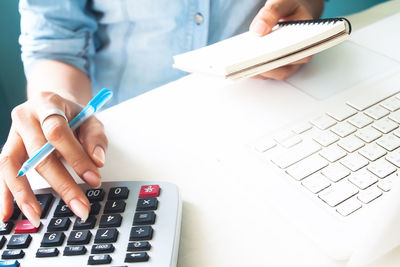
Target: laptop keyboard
(347, 157)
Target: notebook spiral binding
(314, 21)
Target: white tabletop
(178, 132)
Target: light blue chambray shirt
(127, 45)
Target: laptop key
(360, 120)
(391, 104)
(376, 112)
(369, 194)
(335, 195)
(381, 168)
(354, 162)
(372, 152)
(363, 179)
(323, 122)
(333, 153)
(349, 206)
(385, 125)
(342, 112)
(368, 134)
(389, 142)
(316, 183)
(307, 167)
(295, 154)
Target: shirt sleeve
(58, 30)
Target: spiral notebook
(246, 55)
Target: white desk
(176, 133)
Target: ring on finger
(52, 112)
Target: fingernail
(80, 209)
(259, 27)
(99, 154)
(31, 214)
(91, 178)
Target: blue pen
(94, 105)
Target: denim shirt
(127, 45)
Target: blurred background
(12, 80)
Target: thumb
(270, 14)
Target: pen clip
(100, 99)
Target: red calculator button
(25, 227)
(149, 191)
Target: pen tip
(20, 173)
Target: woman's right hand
(84, 150)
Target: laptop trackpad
(339, 68)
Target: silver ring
(51, 112)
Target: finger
(12, 157)
(302, 61)
(92, 137)
(271, 13)
(51, 168)
(259, 77)
(281, 73)
(56, 130)
(6, 202)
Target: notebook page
(247, 49)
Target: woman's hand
(283, 10)
(84, 150)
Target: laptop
(330, 145)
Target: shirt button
(198, 18)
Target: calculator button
(74, 251)
(141, 233)
(147, 204)
(102, 248)
(53, 239)
(2, 241)
(136, 257)
(118, 193)
(19, 241)
(141, 218)
(79, 237)
(58, 224)
(95, 208)
(9, 263)
(85, 225)
(95, 195)
(12, 254)
(106, 236)
(149, 191)
(139, 246)
(62, 210)
(45, 201)
(99, 259)
(114, 206)
(6, 228)
(112, 220)
(25, 227)
(47, 252)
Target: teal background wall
(335, 8)
(12, 80)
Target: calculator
(130, 224)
